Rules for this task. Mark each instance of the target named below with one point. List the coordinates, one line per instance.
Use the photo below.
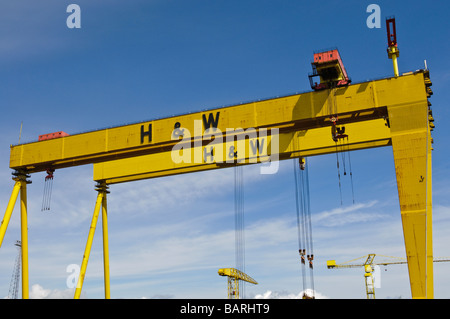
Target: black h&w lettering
(146, 133)
(211, 121)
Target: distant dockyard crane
(14, 285)
(234, 276)
(368, 263)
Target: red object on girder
(50, 136)
(329, 67)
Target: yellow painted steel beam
(20, 186)
(258, 149)
(9, 210)
(311, 109)
(24, 239)
(412, 158)
(105, 247)
(87, 250)
(430, 254)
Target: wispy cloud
(289, 295)
(39, 292)
(347, 215)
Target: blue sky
(140, 60)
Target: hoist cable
(50, 194)
(339, 173)
(304, 222)
(308, 209)
(48, 185)
(308, 225)
(43, 207)
(239, 223)
(351, 173)
(343, 157)
(300, 231)
(46, 197)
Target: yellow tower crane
(234, 275)
(368, 263)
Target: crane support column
(101, 197)
(20, 186)
(24, 237)
(430, 256)
(105, 243)
(9, 210)
(412, 155)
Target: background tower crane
(368, 262)
(14, 285)
(234, 275)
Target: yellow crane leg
(87, 250)
(20, 186)
(9, 210)
(24, 238)
(105, 247)
(430, 258)
(410, 137)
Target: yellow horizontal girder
(198, 158)
(288, 113)
(367, 260)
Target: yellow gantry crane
(393, 112)
(368, 262)
(234, 276)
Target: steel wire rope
(351, 172)
(46, 197)
(300, 230)
(307, 200)
(339, 173)
(239, 223)
(304, 221)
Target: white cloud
(178, 248)
(287, 295)
(38, 292)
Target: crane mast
(14, 285)
(234, 276)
